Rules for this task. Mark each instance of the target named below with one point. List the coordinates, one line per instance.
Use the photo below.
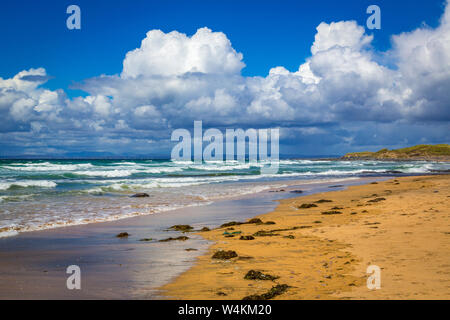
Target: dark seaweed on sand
(258, 275)
(224, 255)
(273, 292)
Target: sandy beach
(33, 264)
(321, 250)
(318, 243)
(211, 153)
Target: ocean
(44, 194)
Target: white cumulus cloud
(175, 53)
(337, 96)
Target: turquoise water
(40, 194)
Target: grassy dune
(419, 152)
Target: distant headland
(438, 152)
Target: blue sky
(268, 34)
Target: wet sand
(401, 225)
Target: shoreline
(44, 195)
(33, 264)
(328, 259)
(266, 186)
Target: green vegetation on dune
(419, 152)
(439, 149)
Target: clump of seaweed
(180, 238)
(122, 235)
(230, 224)
(181, 227)
(273, 292)
(377, 200)
(331, 212)
(224, 255)
(307, 206)
(247, 238)
(258, 275)
(264, 233)
(254, 220)
(323, 201)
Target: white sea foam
(302, 161)
(125, 163)
(5, 185)
(178, 182)
(52, 223)
(162, 170)
(421, 169)
(147, 184)
(345, 172)
(8, 233)
(106, 173)
(126, 172)
(47, 166)
(106, 210)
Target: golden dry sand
(407, 235)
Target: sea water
(44, 194)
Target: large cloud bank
(342, 96)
